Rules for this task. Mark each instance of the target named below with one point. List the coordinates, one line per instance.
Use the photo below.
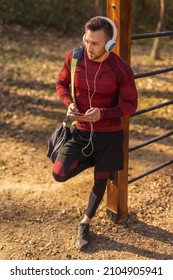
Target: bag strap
(76, 57)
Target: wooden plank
(117, 190)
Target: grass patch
(2, 162)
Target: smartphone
(76, 113)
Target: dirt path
(39, 217)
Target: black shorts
(107, 153)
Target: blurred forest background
(68, 16)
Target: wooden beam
(117, 191)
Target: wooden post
(117, 190)
(172, 173)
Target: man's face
(95, 44)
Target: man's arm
(127, 93)
(64, 81)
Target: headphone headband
(112, 24)
(110, 45)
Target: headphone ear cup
(84, 36)
(110, 45)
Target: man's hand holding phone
(91, 115)
(73, 111)
(76, 113)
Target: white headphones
(110, 45)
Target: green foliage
(69, 16)
(65, 16)
(146, 14)
(168, 15)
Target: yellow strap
(73, 68)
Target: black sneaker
(83, 238)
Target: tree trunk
(98, 8)
(155, 50)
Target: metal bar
(151, 35)
(152, 108)
(155, 139)
(164, 70)
(150, 171)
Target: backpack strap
(77, 53)
(76, 57)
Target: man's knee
(58, 171)
(59, 178)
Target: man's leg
(96, 195)
(66, 168)
(70, 161)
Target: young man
(101, 78)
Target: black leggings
(106, 158)
(97, 193)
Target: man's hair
(97, 23)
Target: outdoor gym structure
(120, 11)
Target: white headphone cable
(90, 97)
